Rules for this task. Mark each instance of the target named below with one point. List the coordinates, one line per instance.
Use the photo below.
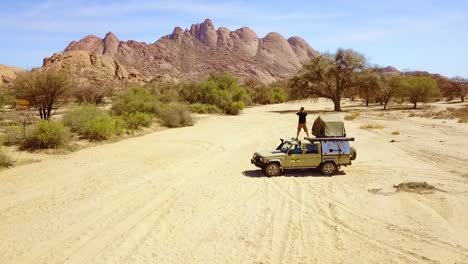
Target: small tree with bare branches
(43, 88)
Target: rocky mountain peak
(201, 50)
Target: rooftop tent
(329, 125)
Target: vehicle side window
(296, 150)
(312, 148)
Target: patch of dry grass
(371, 126)
(416, 187)
(352, 116)
(381, 115)
(5, 161)
(396, 132)
(450, 113)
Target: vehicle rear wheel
(328, 168)
(353, 153)
(272, 169)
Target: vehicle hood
(270, 154)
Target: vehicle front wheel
(272, 169)
(328, 168)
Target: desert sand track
(190, 195)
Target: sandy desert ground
(190, 195)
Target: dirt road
(190, 195)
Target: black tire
(272, 169)
(328, 168)
(353, 153)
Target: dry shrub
(175, 115)
(5, 161)
(371, 126)
(396, 133)
(416, 187)
(450, 113)
(352, 116)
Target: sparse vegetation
(137, 120)
(205, 108)
(46, 134)
(371, 126)
(93, 123)
(396, 133)
(415, 187)
(43, 88)
(175, 115)
(221, 90)
(352, 116)
(13, 135)
(450, 113)
(5, 160)
(136, 100)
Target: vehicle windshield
(286, 146)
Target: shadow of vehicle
(291, 173)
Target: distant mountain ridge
(201, 50)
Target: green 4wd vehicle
(329, 151)
(328, 154)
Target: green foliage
(165, 90)
(5, 98)
(220, 90)
(136, 100)
(102, 128)
(43, 88)
(328, 76)
(93, 123)
(420, 89)
(137, 120)
(205, 108)
(175, 115)
(13, 135)
(235, 108)
(278, 95)
(46, 134)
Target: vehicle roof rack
(331, 139)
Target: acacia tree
(43, 88)
(389, 87)
(420, 89)
(329, 76)
(460, 87)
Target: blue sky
(410, 35)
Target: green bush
(77, 117)
(175, 115)
(14, 135)
(46, 134)
(235, 108)
(204, 108)
(136, 100)
(278, 95)
(102, 128)
(93, 123)
(221, 90)
(5, 161)
(137, 120)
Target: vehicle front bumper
(258, 163)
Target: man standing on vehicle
(302, 122)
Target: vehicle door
(311, 156)
(294, 158)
